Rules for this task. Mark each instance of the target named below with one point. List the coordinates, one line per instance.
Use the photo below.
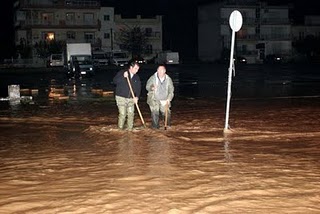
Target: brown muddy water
(61, 152)
(70, 158)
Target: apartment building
(310, 27)
(307, 35)
(66, 20)
(78, 21)
(266, 30)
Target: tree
(309, 46)
(45, 48)
(134, 40)
(24, 49)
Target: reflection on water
(227, 153)
(67, 156)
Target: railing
(276, 37)
(247, 37)
(58, 3)
(261, 37)
(58, 23)
(250, 21)
(153, 35)
(86, 3)
(275, 21)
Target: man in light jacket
(160, 94)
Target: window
(48, 36)
(47, 18)
(258, 30)
(89, 37)
(149, 49)
(301, 35)
(106, 18)
(71, 35)
(106, 35)
(70, 17)
(148, 31)
(88, 18)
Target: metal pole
(226, 126)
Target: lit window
(48, 36)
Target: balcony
(83, 3)
(274, 37)
(153, 35)
(58, 24)
(247, 37)
(266, 37)
(265, 21)
(32, 4)
(275, 21)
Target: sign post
(235, 22)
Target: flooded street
(61, 152)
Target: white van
(100, 58)
(168, 58)
(119, 58)
(56, 60)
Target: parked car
(55, 60)
(242, 60)
(273, 59)
(100, 58)
(238, 60)
(139, 59)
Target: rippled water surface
(66, 156)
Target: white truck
(168, 58)
(79, 59)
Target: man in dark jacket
(124, 99)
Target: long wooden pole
(129, 83)
(166, 116)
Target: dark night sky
(180, 20)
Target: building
(73, 21)
(45, 20)
(306, 36)
(107, 29)
(266, 30)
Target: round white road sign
(235, 20)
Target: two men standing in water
(160, 94)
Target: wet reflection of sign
(227, 154)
